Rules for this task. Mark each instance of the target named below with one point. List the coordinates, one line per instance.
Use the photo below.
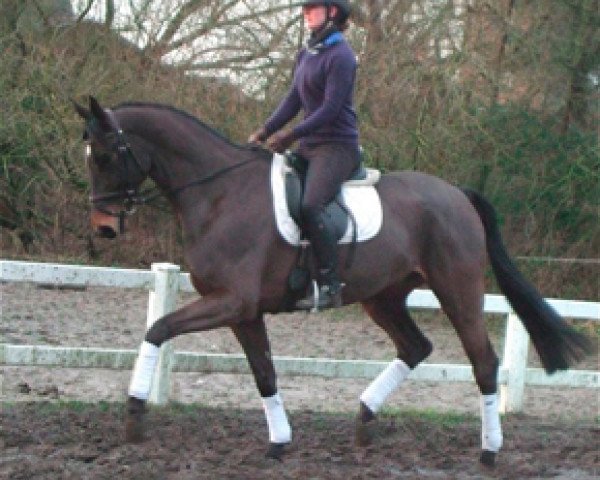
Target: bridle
(130, 197)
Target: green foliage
(34, 141)
(43, 184)
(531, 170)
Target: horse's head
(116, 172)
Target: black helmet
(344, 8)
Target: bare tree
(240, 39)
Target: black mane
(183, 113)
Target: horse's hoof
(276, 451)
(135, 431)
(488, 458)
(364, 433)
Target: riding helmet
(344, 8)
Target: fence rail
(164, 281)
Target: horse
(432, 234)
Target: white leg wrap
(279, 427)
(141, 380)
(491, 430)
(385, 383)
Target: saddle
(338, 210)
(356, 212)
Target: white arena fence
(164, 281)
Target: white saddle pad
(363, 202)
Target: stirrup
(322, 298)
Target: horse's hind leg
(255, 342)
(388, 310)
(461, 298)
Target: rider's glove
(280, 141)
(258, 137)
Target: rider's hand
(258, 137)
(280, 141)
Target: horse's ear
(95, 107)
(82, 111)
(100, 114)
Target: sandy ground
(45, 441)
(104, 317)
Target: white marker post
(515, 363)
(160, 302)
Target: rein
(208, 178)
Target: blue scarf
(325, 40)
(335, 37)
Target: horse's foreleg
(139, 390)
(204, 314)
(389, 311)
(254, 340)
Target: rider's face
(316, 15)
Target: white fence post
(162, 301)
(515, 362)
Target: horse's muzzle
(104, 225)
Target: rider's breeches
(329, 165)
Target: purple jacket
(323, 86)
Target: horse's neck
(181, 150)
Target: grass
(430, 415)
(442, 419)
(69, 405)
(588, 327)
(320, 422)
(342, 314)
(79, 406)
(185, 409)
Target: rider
(323, 87)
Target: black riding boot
(324, 243)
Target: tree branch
(85, 11)
(110, 13)
(213, 24)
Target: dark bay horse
(433, 234)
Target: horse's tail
(557, 343)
